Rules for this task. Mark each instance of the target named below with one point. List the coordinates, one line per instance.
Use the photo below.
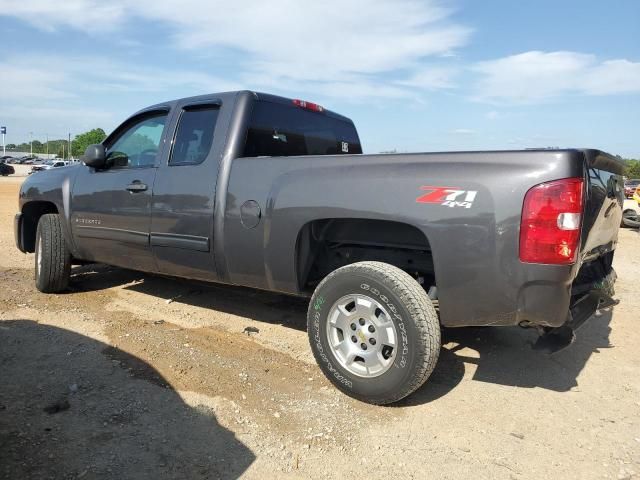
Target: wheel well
(327, 244)
(31, 213)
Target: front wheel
(53, 259)
(373, 331)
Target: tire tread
(421, 310)
(56, 261)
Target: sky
(414, 75)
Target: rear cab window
(281, 130)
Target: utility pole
(47, 146)
(3, 130)
(69, 144)
(31, 143)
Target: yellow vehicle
(636, 195)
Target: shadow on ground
(245, 302)
(502, 355)
(73, 407)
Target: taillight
(551, 219)
(308, 105)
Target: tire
(381, 373)
(52, 259)
(630, 219)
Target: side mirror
(95, 156)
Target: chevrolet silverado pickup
(251, 189)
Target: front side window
(138, 145)
(194, 135)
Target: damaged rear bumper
(583, 307)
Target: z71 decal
(447, 196)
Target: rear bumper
(559, 297)
(599, 296)
(582, 309)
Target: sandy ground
(134, 376)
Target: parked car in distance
(631, 211)
(261, 191)
(6, 159)
(630, 187)
(6, 169)
(48, 165)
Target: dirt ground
(136, 376)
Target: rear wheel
(374, 332)
(52, 259)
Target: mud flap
(554, 340)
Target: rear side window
(279, 130)
(194, 136)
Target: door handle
(609, 210)
(136, 186)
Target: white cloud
(613, 76)
(431, 78)
(86, 15)
(536, 76)
(463, 131)
(69, 77)
(338, 44)
(38, 95)
(25, 82)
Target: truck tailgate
(603, 206)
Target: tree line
(81, 141)
(632, 169)
(60, 147)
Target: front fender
(54, 187)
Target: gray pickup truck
(251, 189)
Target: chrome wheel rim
(361, 335)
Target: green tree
(138, 143)
(632, 169)
(38, 147)
(83, 140)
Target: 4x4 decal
(447, 196)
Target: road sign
(3, 130)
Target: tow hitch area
(553, 340)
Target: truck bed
(473, 246)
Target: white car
(49, 164)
